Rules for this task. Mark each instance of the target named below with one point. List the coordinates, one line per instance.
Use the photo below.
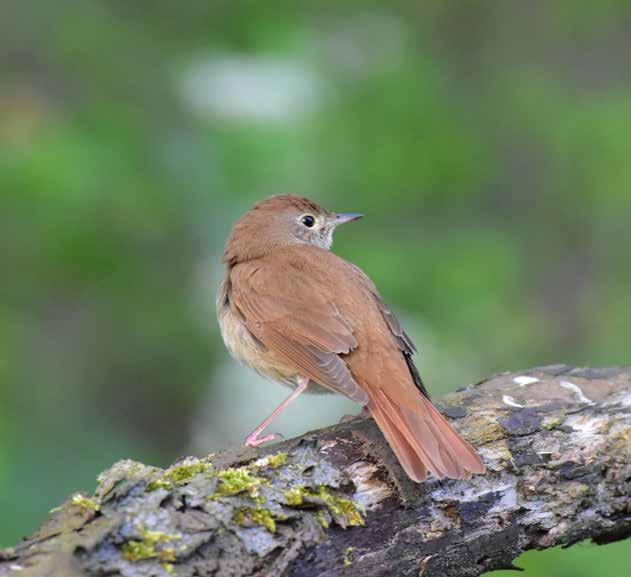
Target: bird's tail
(423, 440)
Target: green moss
(337, 505)
(483, 431)
(137, 550)
(294, 496)
(256, 515)
(347, 556)
(271, 461)
(158, 484)
(146, 547)
(239, 516)
(81, 501)
(237, 480)
(263, 517)
(552, 422)
(276, 460)
(322, 519)
(179, 475)
(340, 506)
(168, 567)
(84, 502)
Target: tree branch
(556, 441)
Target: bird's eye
(308, 220)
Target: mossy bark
(556, 441)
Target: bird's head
(279, 221)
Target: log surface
(556, 441)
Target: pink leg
(253, 439)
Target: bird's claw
(254, 440)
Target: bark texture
(556, 441)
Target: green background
(488, 143)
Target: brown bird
(295, 312)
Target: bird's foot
(253, 439)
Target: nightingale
(295, 312)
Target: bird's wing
(403, 341)
(294, 315)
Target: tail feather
(404, 451)
(423, 439)
(467, 455)
(427, 450)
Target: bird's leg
(253, 439)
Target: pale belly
(245, 348)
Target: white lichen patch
(577, 390)
(369, 489)
(523, 380)
(511, 402)
(588, 425)
(507, 502)
(624, 399)
(328, 444)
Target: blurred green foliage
(488, 144)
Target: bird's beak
(342, 217)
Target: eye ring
(308, 220)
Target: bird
(296, 313)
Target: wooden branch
(556, 440)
